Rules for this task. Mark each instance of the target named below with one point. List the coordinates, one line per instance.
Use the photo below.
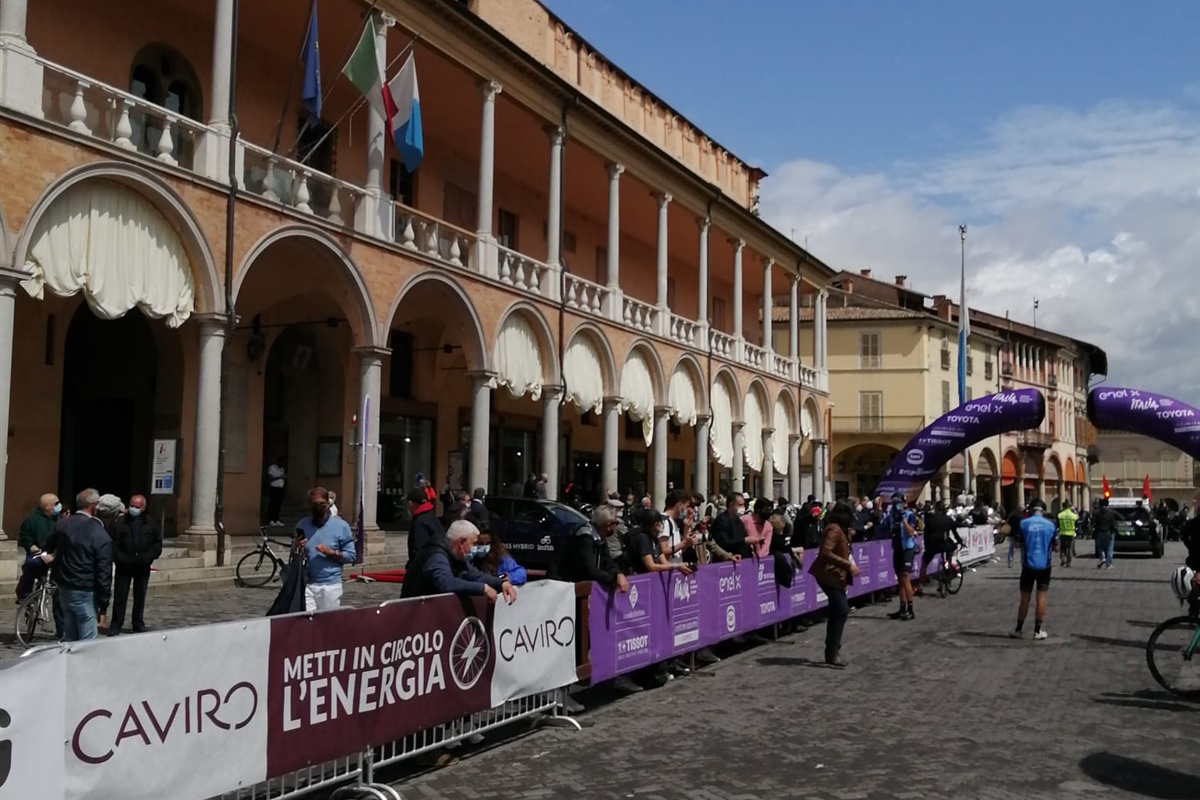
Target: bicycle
(950, 574)
(252, 568)
(1175, 663)
(35, 614)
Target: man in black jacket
(584, 554)
(728, 531)
(82, 553)
(426, 528)
(137, 542)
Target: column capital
(704, 223)
(663, 198)
(738, 427)
(557, 134)
(662, 411)
(823, 294)
(9, 278)
(795, 438)
(702, 420)
(210, 322)
(611, 403)
(768, 432)
(385, 19)
(368, 352)
(489, 89)
(478, 376)
(768, 262)
(614, 170)
(553, 393)
(738, 244)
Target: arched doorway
(860, 468)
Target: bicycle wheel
(1173, 655)
(256, 569)
(35, 619)
(954, 582)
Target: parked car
(529, 527)
(1137, 532)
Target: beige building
(1127, 459)
(559, 286)
(893, 369)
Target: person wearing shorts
(1039, 539)
(901, 522)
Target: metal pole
(962, 309)
(230, 316)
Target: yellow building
(558, 287)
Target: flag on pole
(398, 103)
(1107, 492)
(1146, 488)
(310, 92)
(360, 536)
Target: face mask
(57, 509)
(135, 512)
(478, 551)
(858, 509)
(318, 513)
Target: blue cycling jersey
(892, 522)
(1038, 533)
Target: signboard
(164, 467)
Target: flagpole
(354, 107)
(287, 99)
(963, 345)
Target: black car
(529, 527)
(1137, 531)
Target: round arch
(366, 326)
(688, 364)
(1052, 468)
(986, 456)
(588, 344)
(1070, 476)
(541, 329)
(476, 344)
(650, 355)
(811, 414)
(206, 284)
(726, 375)
(788, 400)
(758, 387)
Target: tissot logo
(5, 748)
(527, 640)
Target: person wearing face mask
(31, 538)
(137, 542)
(489, 557)
(445, 567)
(329, 545)
(728, 531)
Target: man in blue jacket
(445, 567)
(82, 563)
(329, 545)
(1039, 539)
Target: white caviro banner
(31, 726)
(979, 544)
(534, 641)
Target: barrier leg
(559, 719)
(366, 787)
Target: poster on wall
(164, 467)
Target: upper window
(870, 352)
(161, 76)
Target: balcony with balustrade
(645, 253)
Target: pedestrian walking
(834, 570)
(276, 481)
(329, 545)
(1104, 525)
(137, 543)
(1067, 519)
(1038, 540)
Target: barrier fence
(267, 709)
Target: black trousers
(274, 502)
(139, 577)
(839, 610)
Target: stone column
(767, 307)
(551, 403)
(768, 463)
(20, 74)
(794, 323)
(481, 424)
(822, 328)
(659, 478)
(795, 441)
(819, 477)
(664, 312)
(485, 247)
(613, 280)
(8, 307)
(1020, 484)
(558, 138)
(739, 334)
(370, 385)
(704, 224)
(222, 63)
(996, 479)
(377, 127)
(201, 534)
(700, 466)
(608, 459)
(739, 457)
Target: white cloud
(1096, 214)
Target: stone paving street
(942, 707)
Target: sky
(1065, 135)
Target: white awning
(637, 393)
(683, 400)
(720, 432)
(808, 425)
(752, 414)
(110, 243)
(583, 372)
(518, 358)
(779, 439)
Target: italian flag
(398, 103)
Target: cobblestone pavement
(945, 706)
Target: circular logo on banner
(730, 618)
(915, 457)
(469, 653)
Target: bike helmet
(1181, 582)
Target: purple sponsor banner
(1155, 415)
(666, 615)
(952, 433)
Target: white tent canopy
(637, 393)
(720, 433)
(683, 397)
(779, 439)
(518, 358)
(583, 372)
(753, 415)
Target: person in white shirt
(276, 480)
(676, 535)
(333, 509)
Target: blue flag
(310, 93)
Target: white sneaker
(1041, 635)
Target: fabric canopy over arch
(1052, 469)
(1069, 472)
(720, 433)
(752, 414)
(682, 398)
(518, 358)
(808, 425)
(1008, 470)
(779, 439)
(110, 243)
(637, 393)
(583, 373)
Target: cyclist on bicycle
(1190, 536)
(939, 526)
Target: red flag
(1105, 490)
(1146, 488)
